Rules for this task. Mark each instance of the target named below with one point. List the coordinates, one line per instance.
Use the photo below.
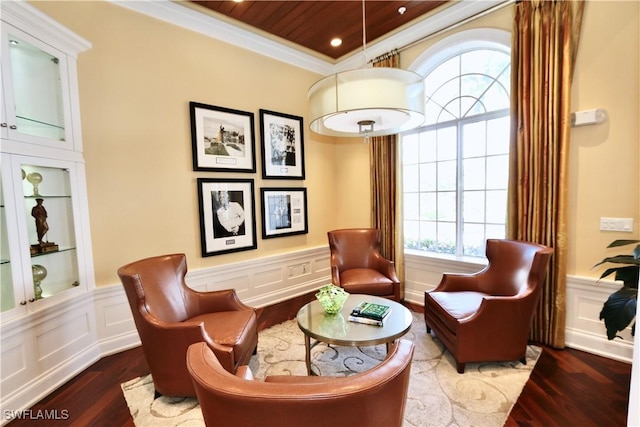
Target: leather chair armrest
(455, 282)
(385, 266)
(244, 372)
(223, 353)
(214, 301)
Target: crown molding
(22, 15)
(171, 12)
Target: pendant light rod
(370, 101)
(364, 35)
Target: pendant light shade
(367, 102)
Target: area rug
(438, 396)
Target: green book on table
(371, 310)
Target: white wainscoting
(43, 350)
(585, 296)
(258, 282)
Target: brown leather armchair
(170, 316)
(486, 316)
(373, 398)
(357, 265)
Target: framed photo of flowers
(222, 139)
(284, 212)
(227, 215)
(282, 145)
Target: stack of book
(370, 313)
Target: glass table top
(337, 329)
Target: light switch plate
(616, 224)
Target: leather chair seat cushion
(235, 329)
(451, 307)
(366, 281)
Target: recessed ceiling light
(336, 42)
(402, 10)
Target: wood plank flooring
(567, 388)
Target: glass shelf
(53, 252)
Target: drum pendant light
(372, 101)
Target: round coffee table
(338, 330)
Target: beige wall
(605, 158)
(135, 86)
(137, 80)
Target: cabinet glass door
(50, 227)
(7, 295)
(34, 90)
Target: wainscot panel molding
(258, 282)
(585, 296)
(44, 349)
(584, 330)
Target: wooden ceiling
(312, 24)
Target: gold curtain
(386, 213)
(544, 45)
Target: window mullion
(459, 191)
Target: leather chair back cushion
(159, 285)
(510, 266)
(353, 248)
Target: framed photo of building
(282, 145)
(222, 139)
(284, 212)
(227, 215)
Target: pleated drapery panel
(386, 207)
(544, 45)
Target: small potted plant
(620, 308)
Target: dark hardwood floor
(567, 388)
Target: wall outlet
(616, 224)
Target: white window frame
(456, 44)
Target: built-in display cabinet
(47, 322)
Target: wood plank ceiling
(313, 24)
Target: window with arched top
(456, 167)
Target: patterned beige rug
(438, 395)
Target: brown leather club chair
(357, 265)
(375, 398)
(170, 317)
(486, 316)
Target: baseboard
(616, 349)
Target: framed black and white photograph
(223, 139)
(227, 215)
(284, 212)
(282, 145)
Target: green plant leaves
(619, 310)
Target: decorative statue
(40, 214)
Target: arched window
(456, 166)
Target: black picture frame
(222, 139)
(282, 145)
(284, 211)
(230, 229)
